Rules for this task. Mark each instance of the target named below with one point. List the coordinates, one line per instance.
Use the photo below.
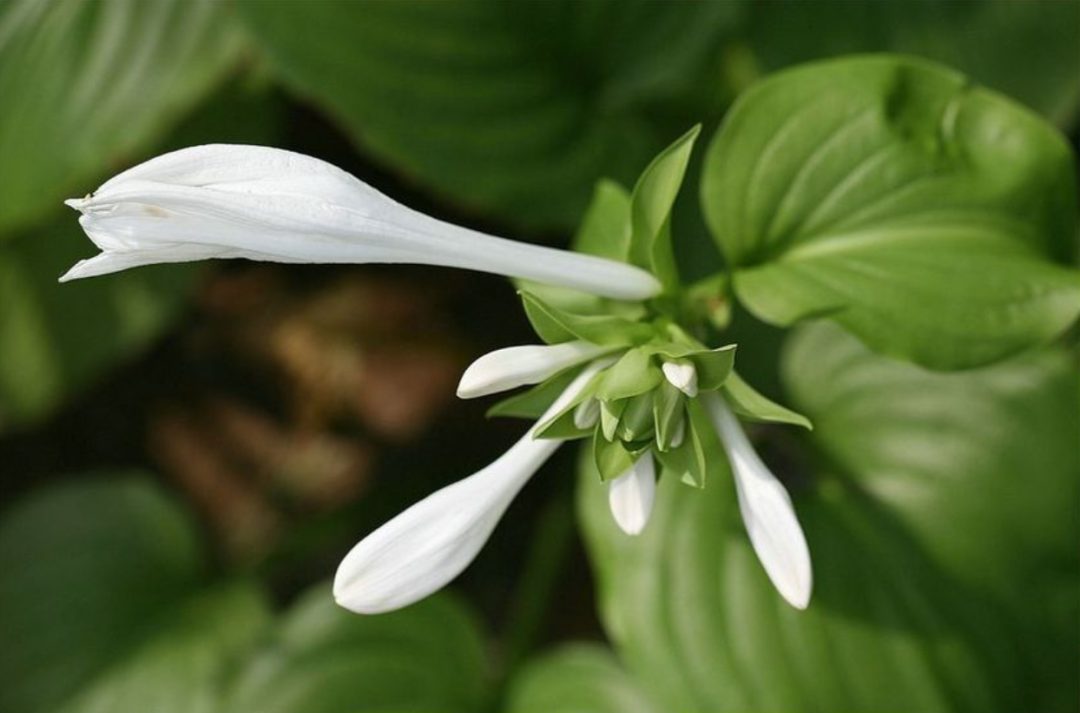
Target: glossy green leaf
(54, 339)
(324, 659)
(650, 209)
(514, 109)
(85, 84)
(556, 326)
(980, 469)
(577, 678)
(749, 403)
(102, 606)
(922, 213)
(942, 568)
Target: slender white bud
(766, 509)
(424, 548)
(517, 366)
(229, 201)
(631, 495)
(681, 374)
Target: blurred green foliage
(941, 510)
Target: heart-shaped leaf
(920, 212)
(578, 678)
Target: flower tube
(260, 203)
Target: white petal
(631, 495)
(424, 548)
(766, 510)
(517, 366)
(267, 204)
(682, 375)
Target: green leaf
(635, 373)
(941, 526)
(1009, 428)
(888, 194)
(513, 109)
(637, 422)
(746, 401)
(1024, 49)
(535, 402)
(87, 83)
(102, 606)
(555, 326)
(54, 339)
(324, 659)
(650, 209)
(577, 678)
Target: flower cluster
(618, 369)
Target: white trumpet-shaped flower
(631, 495)
(682, 375)
(512, 367)
(766, 509)
(424, 548)
(260, 203)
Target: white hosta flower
(631, 495)
(512, 367)
(260, 203)
(766, 509)
(681, 374)
(424, 548)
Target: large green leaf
(578, 678)
(921, 213)
(102, 606)
(85, 84)
(515, 108)
(922, 542)
(1025, 49)
(323, 659)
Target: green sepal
(700, 449)
(746, 401)
(667, 414)
(556, 326)
(650, 210)
(605, 229)
(611, 457)
(636, 424)
(610, 414)
(635, 373)
(713, 367)
(534, 402)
